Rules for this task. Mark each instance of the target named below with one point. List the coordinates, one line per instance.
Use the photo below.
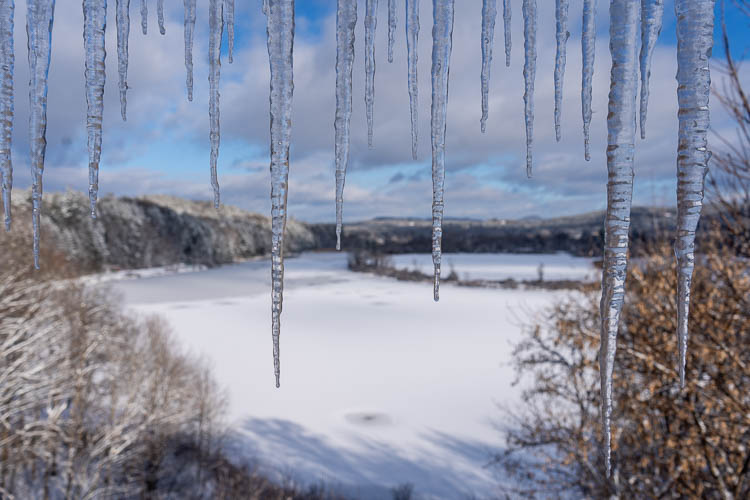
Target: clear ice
(442, 45)
(40, 16)
(562, 35)
(529, 74)
(280, 43)
(229, 20)
(160, 16)
(507, 13)
(695, 24)
(623, 31)
(7, 63)
(489, 13)
(412, 38)
(215, 32)
(123, 32)
(94, 27)
(371, 24)
(144, 17)
(189, 31)
(346, 20)
(588, 47)
(391, 28)
(652, 12)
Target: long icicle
(489, 13)
(280, 45)
(391, 28)
(621, 128)
(160, 16)
(144, 17)
(7, 64)
(652, 12)
(229, 20)
(189, 31)
(123, 33)
(442, 45)
(412, 38)
(40, 16)
(346, 20)
(588, 48)
(215, 32)
(371, 24)
(562, 35)
(507, 14)
(695, 24)
(529, 74)
(94, 28)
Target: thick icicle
(371, 23)
(346, 20)
(229, 20)
(412, 37)
(695, 24)
(144, 17)
(506, 28)
(621, 126)
(391, 28)
(561, 15)
(529, 74)
(7, 63)
(189, 30)
(280, 44)
(588, 46)
(442, 45)
(652, 12)
(215, 32)
(160, 16)
(94, 27)
(489, 13)
(123, 32)
(39, 19)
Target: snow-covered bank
(380, 385)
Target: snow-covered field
(380, 385)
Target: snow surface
(380, 385)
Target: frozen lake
(379, 385)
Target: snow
(381, 385)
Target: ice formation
(215, 32)
(489, 13)
(652, 12)
(280, 42)
(94, 26)
(507, 14)
(391, 28)
(412, 38)
(7, 63)
(529, 74)
(371, 24)
(623, 32)
(123, 32)
(160, 16)
(562, 35)
(189, 31)
(588, 48)
(442, 45)
(346, 20)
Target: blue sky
(163, 147)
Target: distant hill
(162, 230)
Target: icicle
(506, 28)
(265, 7)
(489, 12)
(346, 20)
(189, 30)
(7, 63)
(652, 12)
(39, 18)
(412, 37)
(123, 32)
(588, 45)
(94, 27)
(442, 45)
(620, 150)
(529, 74)
(215, 32)
(160, 16)
(695, 24)
(391, 28)
(229, 20)
(561, 15)
(371, 23)
(280, 43)
(144, 17)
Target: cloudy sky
(163, 147)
